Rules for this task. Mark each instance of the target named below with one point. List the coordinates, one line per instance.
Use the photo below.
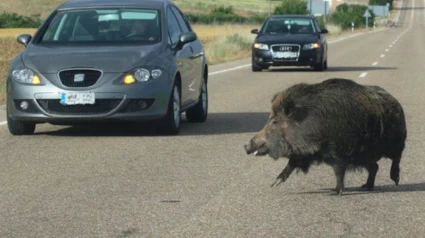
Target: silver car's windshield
(103, 26)
(289, 26)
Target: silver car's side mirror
(24, 39)
(187, 37)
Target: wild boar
(339, 122)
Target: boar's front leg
(372, 168)
(339, 170)
(284, 175)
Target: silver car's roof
(113, 3)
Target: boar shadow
(216, 124)
(408, 187)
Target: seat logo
(78, 78)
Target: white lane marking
(386, 50)
(391, 46)
(363, 75)
(348, 37)
(375, 63)
(382, 56)
(2, 123)
(231, 69)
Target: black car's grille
(101, 106)
(286, 49)
(79, 78)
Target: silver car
(109, 60)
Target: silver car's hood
(109, 59)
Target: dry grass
(210, 33)
(8, 48)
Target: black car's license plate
(285, 55)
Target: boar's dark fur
(338, 122)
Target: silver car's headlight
(141, 75)
(26, 76)
(311, 46)
(261, 46)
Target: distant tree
(291, 7)
(382, 3)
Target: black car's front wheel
(170, 124)
(199, 112)
(320, 66)
(256, 68)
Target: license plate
(75, 98)
(285, 54)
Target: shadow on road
(360, 68)
(216, 124)
(413, 187)
(330, 69)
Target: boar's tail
(395, 170)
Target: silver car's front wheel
(199, 112)
(171, 122)
(176, 107)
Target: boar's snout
(258, 146)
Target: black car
(290, 40)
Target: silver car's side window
(173, 27)
(183, 24)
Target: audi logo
(285, 48)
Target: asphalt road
(119, 181)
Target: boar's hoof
(339, 191)
(368, 187)
(277, 182)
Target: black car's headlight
(141, 75)
(311, 46)
(26, 76)
(261, 46)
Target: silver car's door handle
(198, 55)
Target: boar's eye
(295, 112)
(299, 113)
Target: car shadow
(359, 68)
(331, 69)
(216, 124)
(350, 191)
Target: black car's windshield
(103, 26)
(289, 26)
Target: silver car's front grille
(79, 78)
(102, 106)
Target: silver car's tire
(170, 124)
(19, 128)
(199, 112)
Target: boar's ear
(295, 112)
(275, 96)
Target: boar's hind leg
(284, 175)
(395, 169)
(339, 170)
(372, 169)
